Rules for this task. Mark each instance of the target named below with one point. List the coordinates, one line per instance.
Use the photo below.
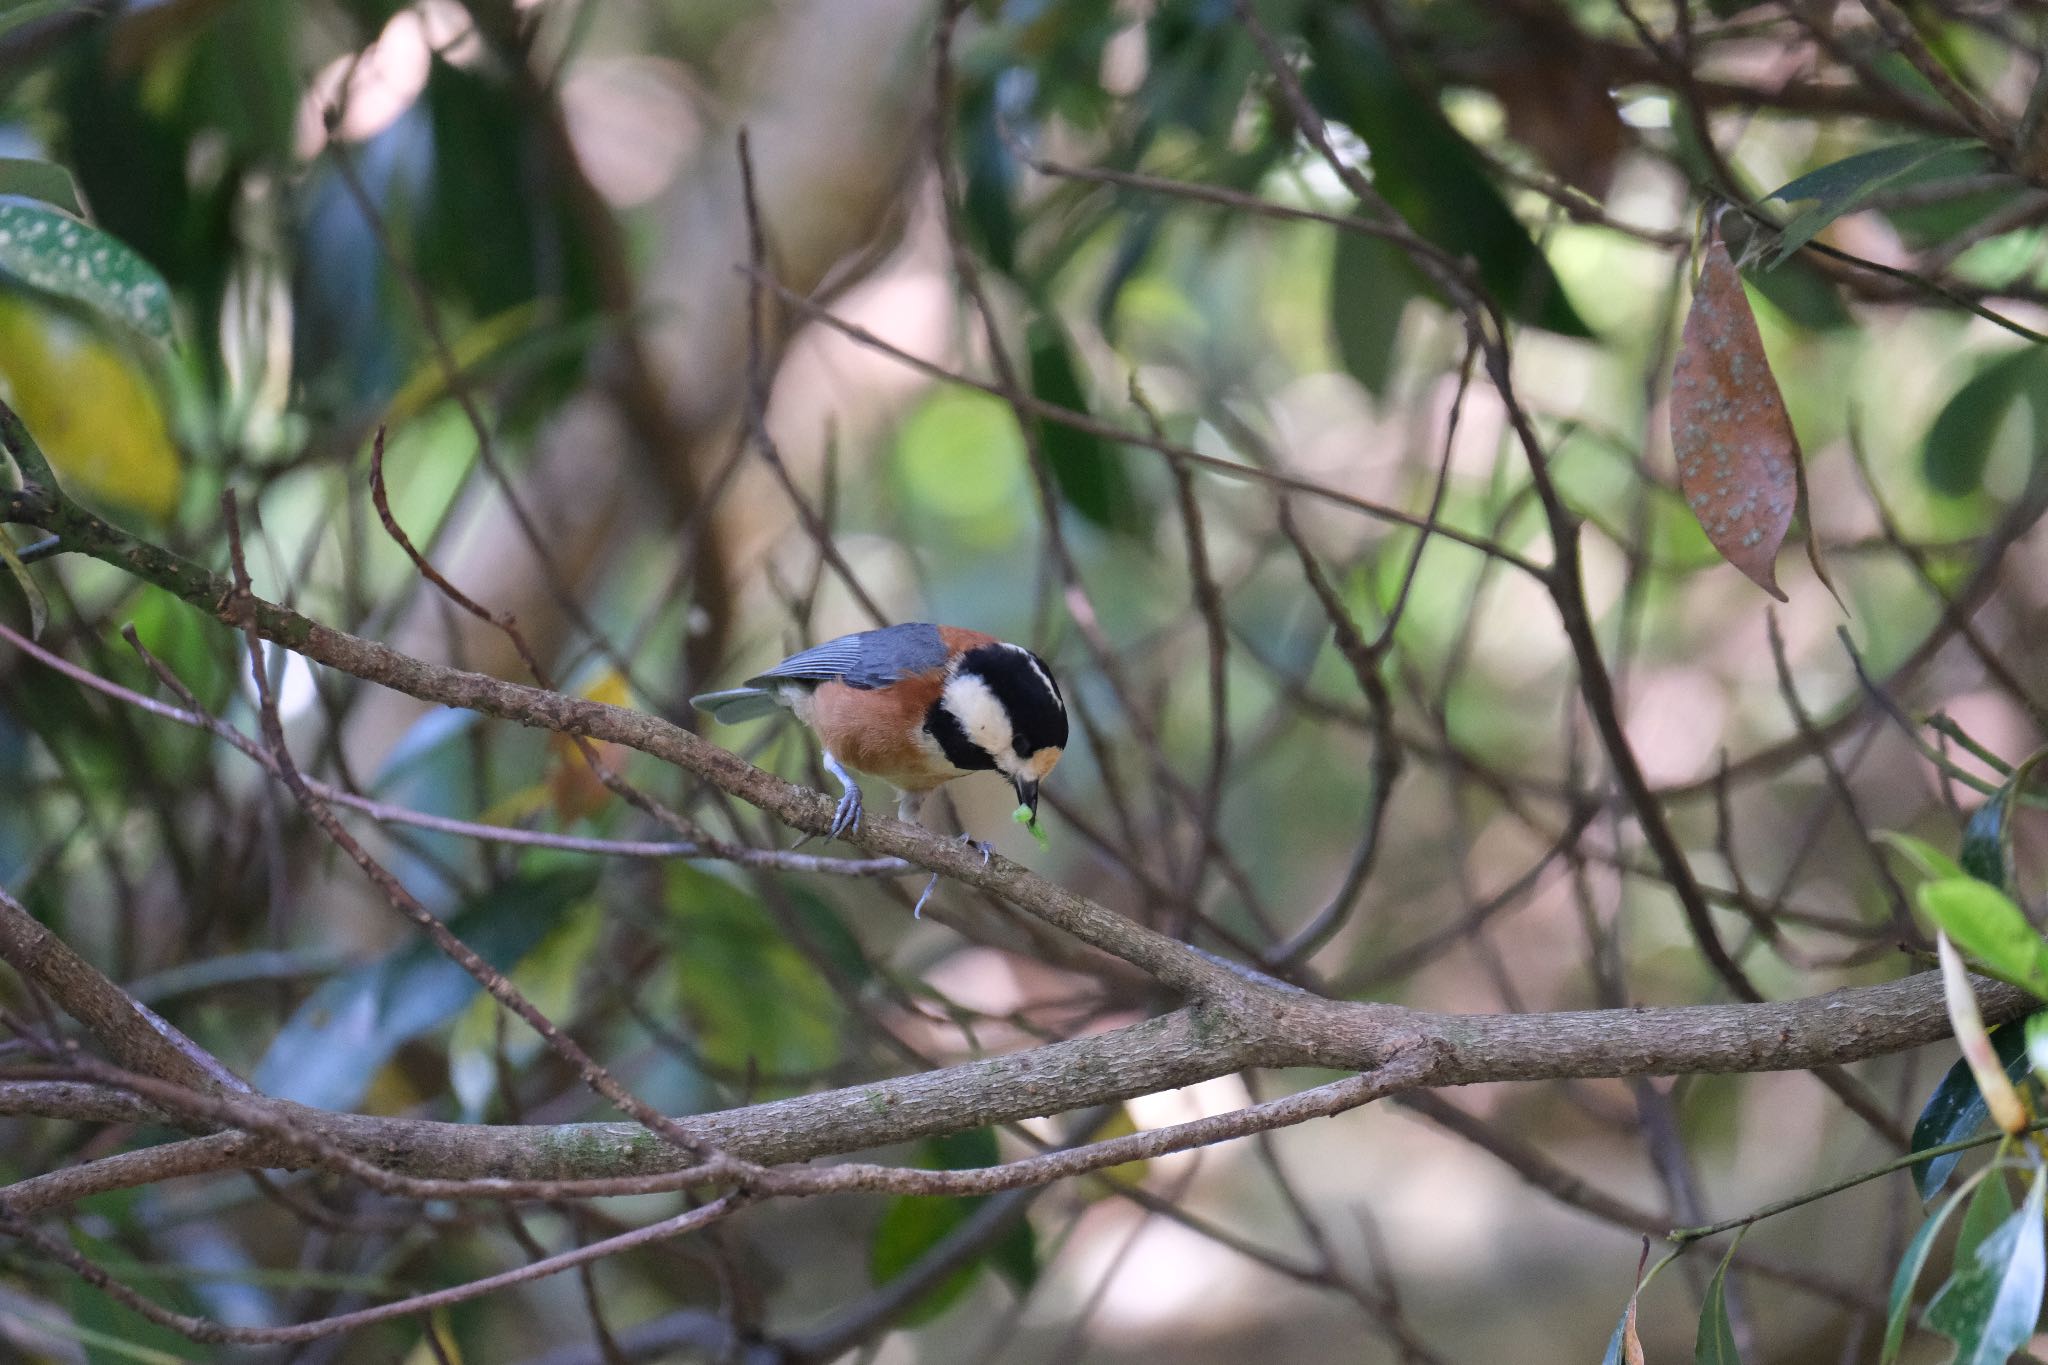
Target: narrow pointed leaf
(1715, 1342)
(1991, 1303)
(1908, 1273)
(1624, 1347)
(1846, 184)
(1738, 459)
(1989, 1207)
(1429, 172)
(1956, 1109)
(2007, 1110)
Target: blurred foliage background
(512, 236)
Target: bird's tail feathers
(738, 704)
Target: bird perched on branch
(916, 705)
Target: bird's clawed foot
(846, 819)
(987, 851)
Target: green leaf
(1991, 1303)
(1987, 926)
(2036, 1026)
(1088, 470)
(484, 236)
(913, 1224)
(27, 178)
(1910, 1266)
(51, 251)
(1844, 185)
(547, 976)
(1801, 293)
(989, 194)
(910, 1226)
(749, 996)
(337, 1041)
(1986, 1212)
(1987, 838)
(13, 16)
(1371, 282)
(1931, 861)
(1956, 1110)
(1959, 441)
(38, 607)
(1714, 1344)
(1430, 174)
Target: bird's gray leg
(987, 850)
(846, 818)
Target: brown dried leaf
(1631, 1344)
(1738, 459)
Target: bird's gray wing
(872, 658)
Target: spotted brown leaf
(1738, 459)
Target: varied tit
(917, 706)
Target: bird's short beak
(1027, 793)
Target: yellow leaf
(575, 790)
(91, 405)
(429, 384)
(424, 1353)
(1129, 1173)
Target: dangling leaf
(1956, 1109)
(50, 250)
(1624, 1347)
(1908, 1273)
(1714, 1344)
(1738, 458)
(1431, 175)
(1991, 1303)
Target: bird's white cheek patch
(983, 718)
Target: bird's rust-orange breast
(881, 731)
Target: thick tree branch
(1173, 1050)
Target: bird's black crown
(1023, 687)
(1027, 690)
